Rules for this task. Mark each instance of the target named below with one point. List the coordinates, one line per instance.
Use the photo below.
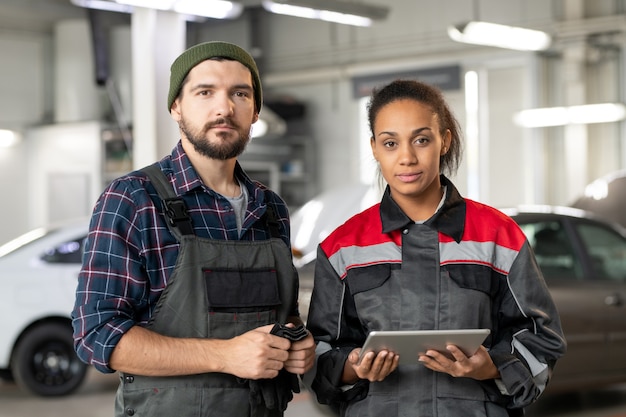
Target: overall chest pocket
(374, 295)
(469, 296)
(241, 290)
(240, 300)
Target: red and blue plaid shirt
(130, 253)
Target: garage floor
(95, 398)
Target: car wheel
(44, 361)
(6, 375)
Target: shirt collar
(449, 219)
(187, 179)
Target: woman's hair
(431, 97)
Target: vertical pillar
(77, 97)
(622, 98)
(576, 135)
(121, 68)
(574, 86)
(158, 37)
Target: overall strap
(271, 221)
(174, 206)
(176, 210)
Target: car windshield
(553, 250)
(607, 250)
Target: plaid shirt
(130, 253)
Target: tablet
(410, 343)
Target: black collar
(449, 219)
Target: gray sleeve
(531, 340)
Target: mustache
(224, 121)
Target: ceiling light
(150, 4)
(103, 5)
(8, 138)
(215, 9)
(501, 36)
(338, 11)
(560, 116)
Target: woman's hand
(373, 367)
(478, 366)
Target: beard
(225, 149)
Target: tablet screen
(409, 344)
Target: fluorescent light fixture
(501, 36)
(149, 4)
(103, 5)
(8, 138)
(560, 116)
(338, 11)
(215, 9)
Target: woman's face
(408, 146)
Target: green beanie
(203, 51)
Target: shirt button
(129, 379)
(130, 411)
(405, 232)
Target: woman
(426, 258)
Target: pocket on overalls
(240, 300)
(228, 289)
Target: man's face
(215, 110)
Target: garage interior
(80, 88)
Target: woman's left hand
(478, 366)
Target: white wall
(22, 74)
(64, 171)
(15, 195)
(22, 103)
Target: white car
(38, 276)
(314, 221)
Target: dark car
(582, 257)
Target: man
(188, 266)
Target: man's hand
(301, 356)
(255, 354)
(478, 366)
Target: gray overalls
(218, 289)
